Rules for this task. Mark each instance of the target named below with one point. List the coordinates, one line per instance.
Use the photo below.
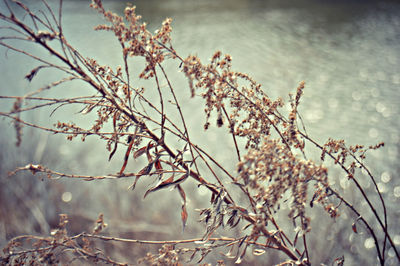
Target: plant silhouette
(271, 165)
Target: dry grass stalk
(272, 162)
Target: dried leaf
(89, 108)
(116, 114)
(240, 258)
(142, 150)
(242, 241)
(167, 183)
(229, 254)
(339, 261)
(134, 183)
(295, 238)
(184, 216)
(182, 193)
(237, 222)
(204, 253)
(192, 256)
(126, 158)
(149, 146)
(139, 152)
(115, 147)
(160, 185)
(33, 73)
(115, 135)
(158, 166)
(354, 227)
(207, 236)
(100, 224)
(246, 226)
(146, 170)
(231, 221)
(86, 245)
(258, 252)
(213, 196)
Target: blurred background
(348, 52)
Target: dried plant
(272, 167)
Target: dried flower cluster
(272, 171)
(272, 168)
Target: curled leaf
(115, 148)
(142, 150)
(167, 183)
(33, 73)
(182, 193)
(146, 170)
(126, 158)
(88, 108)
(149, 146)
(184, 216)
(160, 185)
(258, 252)
(354, 227)
(139, 152)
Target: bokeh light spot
(385, 177)
(369, 243)
(396, 192)
(66, 196)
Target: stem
(384, 228)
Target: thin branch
(181, 116)
(232, 131)
(364, 195)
